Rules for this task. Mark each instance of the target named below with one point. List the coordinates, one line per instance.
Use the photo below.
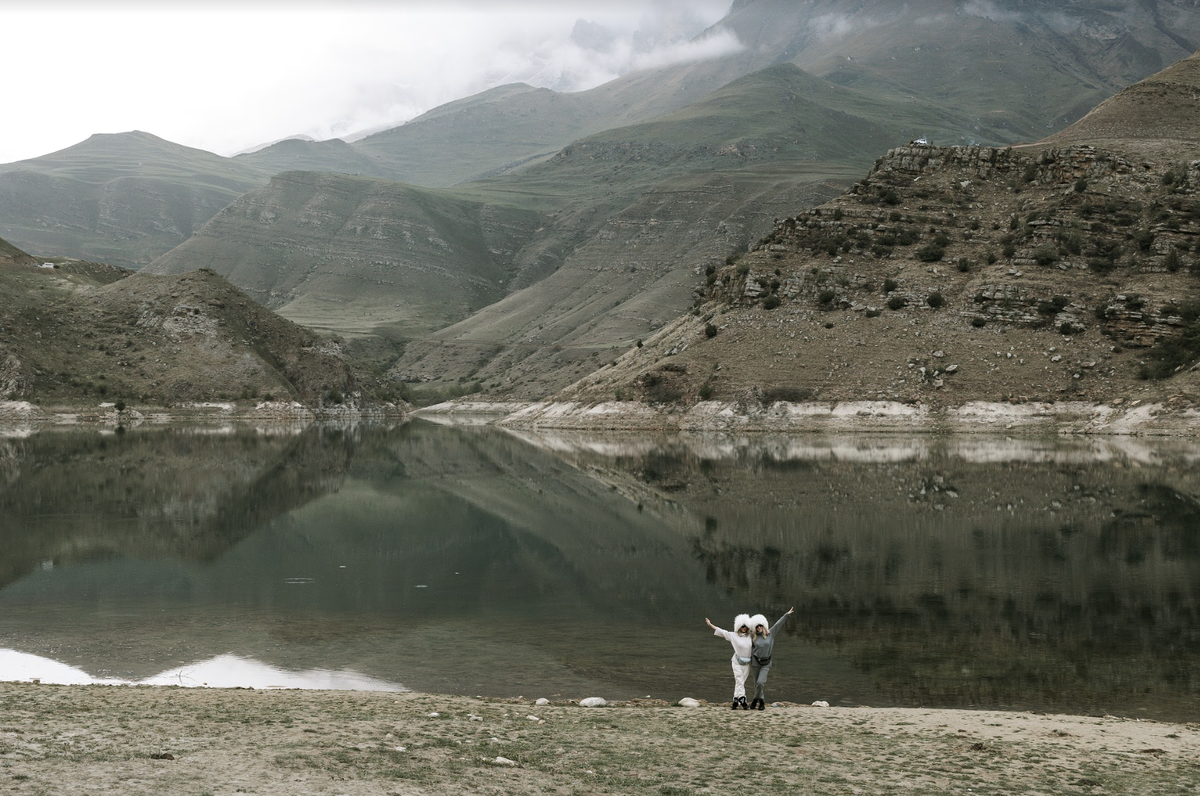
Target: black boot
(742, 702)
(762, 705)
(735, 703)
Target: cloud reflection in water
(223, 671)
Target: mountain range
(520, 239)
(1059, 271)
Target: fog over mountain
(227, 77)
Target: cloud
(1062, 21)
(827, 26)
(225, 77)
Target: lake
(1051, 574)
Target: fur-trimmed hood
(742, 619)
(759, 619)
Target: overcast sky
(225, 76)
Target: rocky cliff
(948, 276)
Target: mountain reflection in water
(968, 571)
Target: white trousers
(740, 670)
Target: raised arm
(725, 634)
(782, 619)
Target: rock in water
(688, 702)
(592, 702)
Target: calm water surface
(1046, 574)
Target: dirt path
(92, 739)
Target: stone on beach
(592, 702)
(688, 702)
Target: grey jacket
(763, 645)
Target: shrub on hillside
(1173, 354)
(788, 394)
(1172, 260)
(930, 253)
(771, 302)
(1053, 306)
(1073, 242)
(1045, 254)
(935, 300)
(710, 330)
(897, 302)
(659, 390)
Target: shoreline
(1136, 418)
(171, 740)
(25, 416)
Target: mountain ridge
(122, 198)
(1008, 71)
(1056, 271)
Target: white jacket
(741, 644)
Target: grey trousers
(758, 676)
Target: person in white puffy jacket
(742, 643)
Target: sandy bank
(88, 739)
(1135, 418)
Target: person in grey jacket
(760, 655)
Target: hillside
(11, 255)
(123, 198)
(378, 259)
(950, 275)
(358, 255)
(296, 154)
(1159, 116)
(83, 334)
(642, 207)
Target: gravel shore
(155, 740)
